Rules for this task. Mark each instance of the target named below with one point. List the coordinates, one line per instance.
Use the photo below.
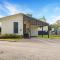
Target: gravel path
(30, 49)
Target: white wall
(7, 24)
(34, 30)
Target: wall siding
(7, 24)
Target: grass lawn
(40, 36)
(11, 39)
(50, 36)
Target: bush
(6, 36)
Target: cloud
(1, 16)
(54, 19)
(51, 12)
(10, 9)
(57, 9)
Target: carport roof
(35, 21)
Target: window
(15, 27)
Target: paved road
(30, 49)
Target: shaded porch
(31, 25)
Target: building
(21, 24)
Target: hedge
(6, 36)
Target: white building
(20, 24)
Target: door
(24, 28)
(15, 27)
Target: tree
(56, 25)
(43, 19)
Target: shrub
(6, 36)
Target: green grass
(11, 40)
(50, 36)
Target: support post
(48, 31)
(42, 31)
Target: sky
(38, 8)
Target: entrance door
(15, 27)
(24, 28)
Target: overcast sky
(38, 8)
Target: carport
(32, 24)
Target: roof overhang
(34, 21)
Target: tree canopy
(43, 19)
(56, 25)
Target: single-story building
(21, 24)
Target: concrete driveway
(30, 49)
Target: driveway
(30, 49)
